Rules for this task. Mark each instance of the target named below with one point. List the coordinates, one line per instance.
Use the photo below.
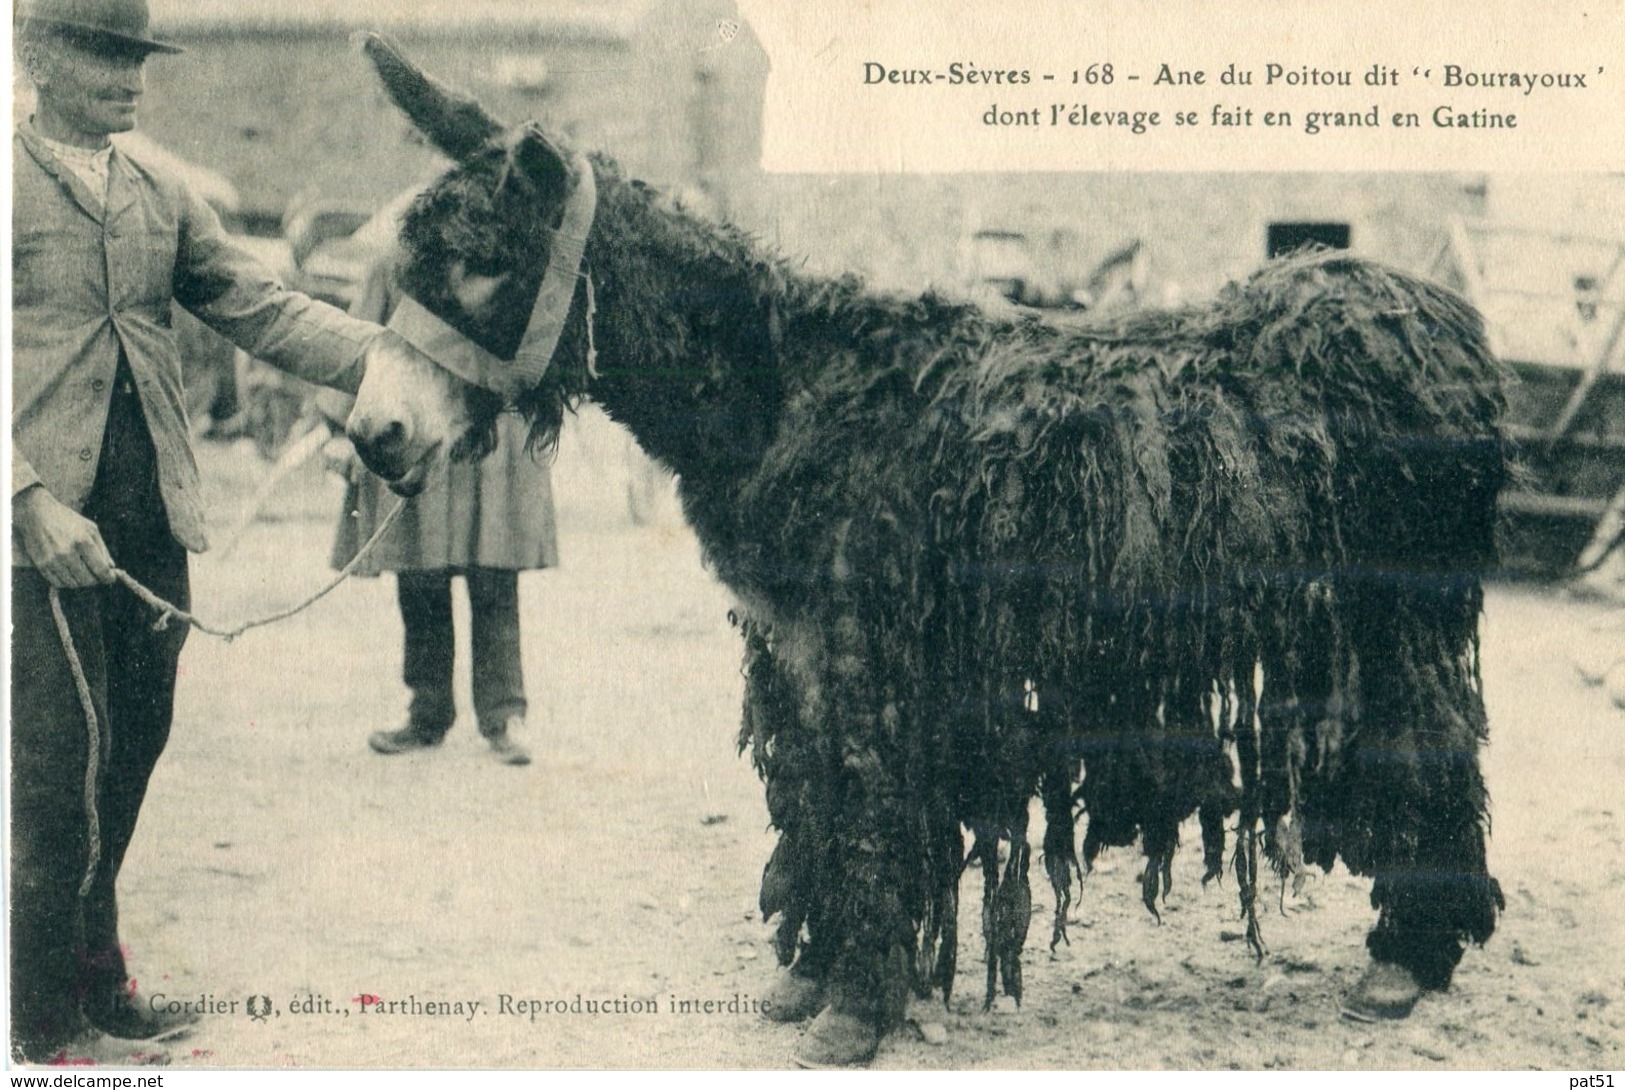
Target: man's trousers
(426, 616)
(64, 946)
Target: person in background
(103, 241)
(486, 521)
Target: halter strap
(429, 334)
(449, 349)
(558, 288)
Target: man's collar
(65, 149)
(52, 164)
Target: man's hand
(62, 544)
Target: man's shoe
(505, 747)
(96, 1049)
(130, 1019)
(402, 741)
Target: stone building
(277, 97)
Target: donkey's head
(477, 248)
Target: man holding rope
(103, 476)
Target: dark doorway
(1283, 238)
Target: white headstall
(454, 352)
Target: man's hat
(118, 23)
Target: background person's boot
(505, 745)
(404, 740)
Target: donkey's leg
(1060, 834)
(877, 826)
(1417, 804)
(789, 752)
(1009, 909)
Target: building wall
(296, 112)
(1198, 230)
(1586, 205)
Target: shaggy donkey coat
(1222, 559)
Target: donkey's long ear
(457, 125)
(537, 169)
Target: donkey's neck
(687, 335)
(706, 341)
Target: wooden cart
(1554, 306)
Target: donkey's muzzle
(384, 448)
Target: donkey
(1222, 560)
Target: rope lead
(93, 762)
(167, 611)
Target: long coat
(494, 513)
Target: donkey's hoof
(837, 1040)
(793, 998)
(1385, 991)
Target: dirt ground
(278, 857)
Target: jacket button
(85, 455)
(99, 384)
